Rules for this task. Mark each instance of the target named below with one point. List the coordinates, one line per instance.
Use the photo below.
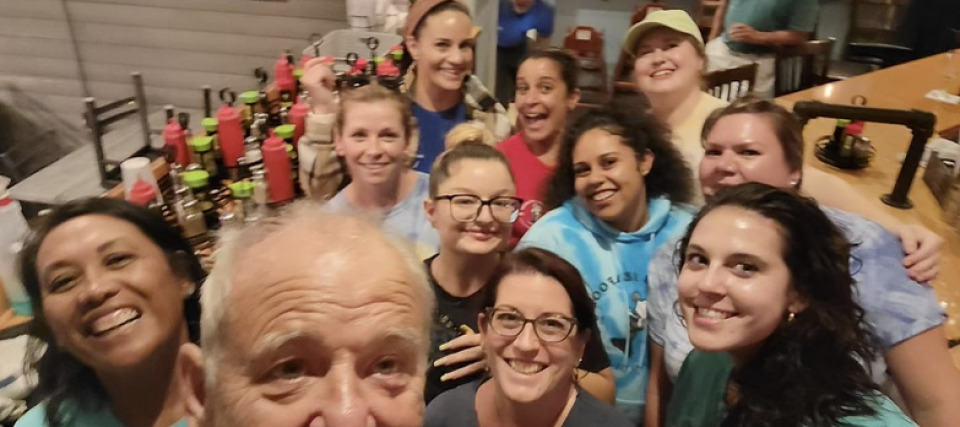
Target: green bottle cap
(842, 122)
(285, 131)
(242, 189)
(250, 97)
(298, 73)
(202, 143)
(210, 124)
(196, 179)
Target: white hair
(347, 233)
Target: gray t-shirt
(407, 218)
(457, 408)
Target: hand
(743, 33)
(320, 80)
(923, 248)
(471, 351)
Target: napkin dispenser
(921, 124)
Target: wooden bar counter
(900, 87)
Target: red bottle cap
(387, 69)
(274, 141)
(172, 130)
(141, 193)
(855, 128)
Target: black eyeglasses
(549, 327)
(466, 207)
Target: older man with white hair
(314, 320)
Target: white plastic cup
(138, 168)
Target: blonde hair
(468, 132)
(372, 93)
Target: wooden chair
(704, 16)
(802, 66)
(586, 44)
(872, 39)
(731, 84)
(99, 118)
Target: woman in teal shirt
(116, 293)
(768, 300)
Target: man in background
(747, 31)
(518, 19)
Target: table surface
(900, 87)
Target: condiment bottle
(230, 136)
(261, 195)
(194, 224)
(278, 169)
(198, 182)
(838, 132)
(143, 194)
(175, 144)
(283, 74)
(851, 133)
(210, 126)
(203, 150)
(243, 197)
(298, 118)
(249, 99)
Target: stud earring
(790, 317)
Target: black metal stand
(921, 124)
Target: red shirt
(531, 177)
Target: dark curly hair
(808, 372)
(61, 377)
(641, 131)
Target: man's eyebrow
(274, 341)
(402, 334)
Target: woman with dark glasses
(473, 205)
(537, 326)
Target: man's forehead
(327, 260)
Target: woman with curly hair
(115, 291)
(767, 296)
(616, 194)
(756, 140)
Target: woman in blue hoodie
(617, 194)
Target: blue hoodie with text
(614, 267)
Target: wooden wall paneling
(30, 27)
(178, 45)
(320, 9)
(33, 47)
(40, 9)
(166, 79)
(194, 41)
(223, 21)
(17, 65)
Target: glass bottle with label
(194, 224)
(203, 153)
(198, 182)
